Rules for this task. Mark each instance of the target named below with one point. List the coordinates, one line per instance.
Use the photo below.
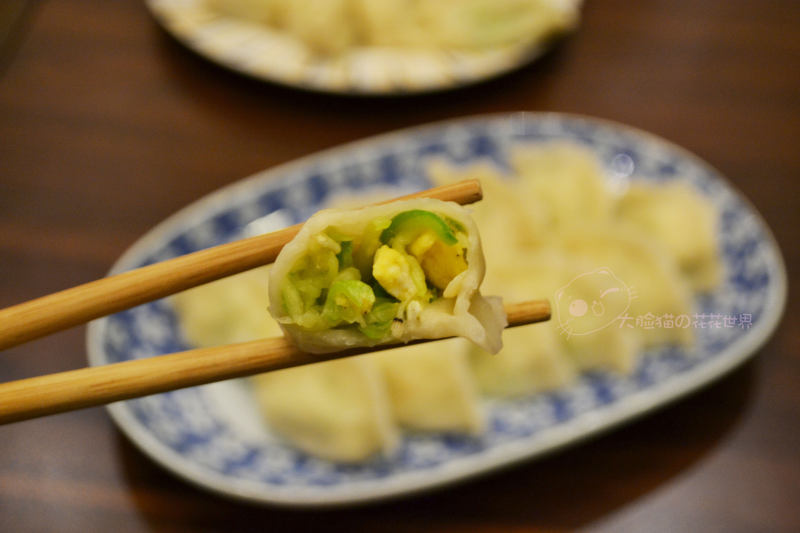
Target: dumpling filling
(369, 282)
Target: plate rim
(583, 427)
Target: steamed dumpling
(683, 221)
(533, 359)
(562, 185)
(431, 387)
(503, 214)
(591, 340)
(337, 410)
(622, 258)
(324, 26)
(226, 311)
(255, 10)
(489, 23)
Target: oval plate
(260, 52)
(213, 436)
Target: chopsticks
(86, 387)
(61, 310)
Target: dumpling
(626, 266)
(683, 221)
(488, 23)
(337, 410)
(431, 388)
(324, 26)
(389, 23)
(557, 349)
(563, 184)
(384, 274)
(533, 359)
(255, 10)
(502, 215)
(229, 310)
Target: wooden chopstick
(76, 389)
(61, 310)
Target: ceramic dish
(263, 53)
(213, 436)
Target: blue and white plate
(213, 436)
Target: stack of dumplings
(552, 228)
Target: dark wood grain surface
(107, 126)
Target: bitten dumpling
(384, 274)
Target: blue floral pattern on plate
(218, 448)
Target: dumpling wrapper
(548, 355)
(503, 215)
(563, 184)
(682, 220)
(461, 311)
(626, 257)
(338, 410)
(229, 310)
(431, 387)
(533, 359)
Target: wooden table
(107, 126)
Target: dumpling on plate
(682, 220)
(550, 354)
(465, 24)
(628, 266)
(384, 274)
(233, 309)
(337, 26)
(337, 410)
(431, 387)
(256, 10)
(563, 184)
(326, 27)
(533, 359)
(503, 214)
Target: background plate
(213, 436)
(258, 51)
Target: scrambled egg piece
(398, 273)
